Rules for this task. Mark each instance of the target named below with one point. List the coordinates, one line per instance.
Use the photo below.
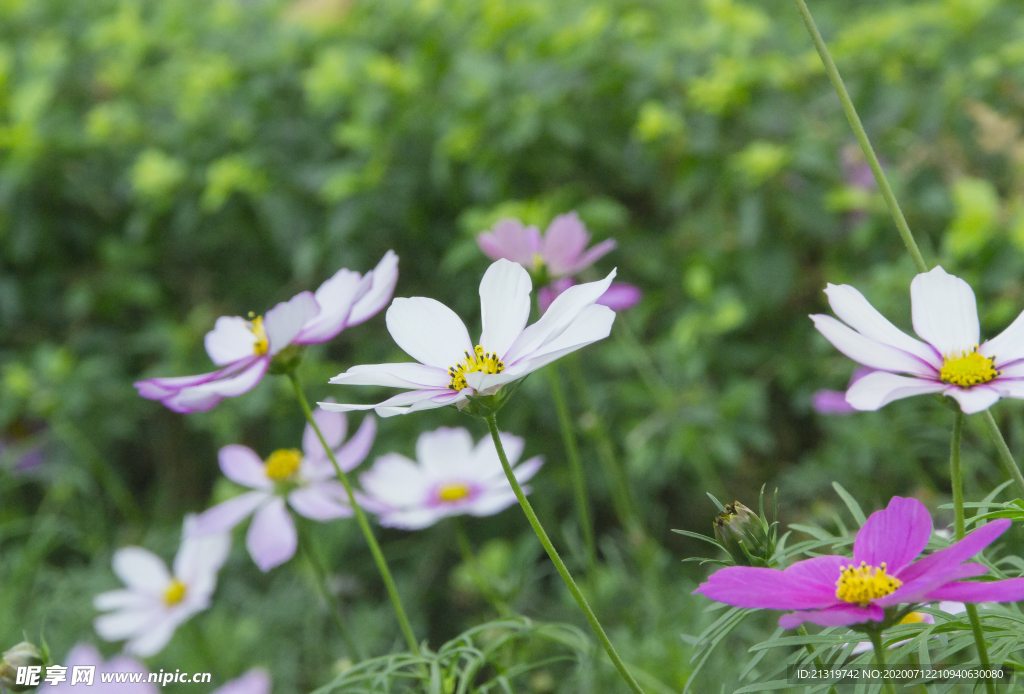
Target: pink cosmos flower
(84, 655)
(560, 253)
(244, 348)
(837, 591)
(450, 477)
(303, 480)
(452, 368)
(949, 361)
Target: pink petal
(161, 388)
(920, 588)
(802, 586)
(205, 397)
(895, 536)
(511, 240)
(385, 277)
(620, 296)
(335, 297)
(1010, 590)
(230, 341)
(878, 389)
(319, 502)
(333, 426)
(945, 312)
(241, 465)
(592, 255)
(227, 514)
(974, 399)
(564, 241)
(271, 538)
(868, 352)
(358, 447)
(958, 552)
(837, 616)
(832, 402)
(286, 320)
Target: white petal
(853, 309)
(120, 625)
(504, 305)
(1014, 370)
(335, 297)
(525, 471)
(318, 503)
(403, 375)
(945, 312)
(866, 351)
(419, 399)
(200, 558)
(972, 400)
(492, 502)
(428, 331)
(566, 307)
(385, 277)
(879, 388)
(486, 457)
(153, 640)
(396, 481)
(272, 539)
(230, 340)
(286, 320)
(241, 465)
(1007, 346)
(207, 395)
(227, 514)
(412, 519)
(1009, 387)
(122, 600)
(333, 426)
(593, 323)
(445, 452)
(141, 570)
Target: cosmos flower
(451, 368)
(450, 477)
(86, 655)
(949, 361)
(837, 591)
(245, 348)
(557, 255)
(304, 480)
(157, 601)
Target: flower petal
(241, 465)
(151, 641)
(446, 453)
(487, 465)
(797, 588)
(620, 296)
(402, 375)
(975, 399)
(335, 297)
(511, 240)
(1009, 590)
(920, 588)
(492, 502)
(206, 396)
(227, 514)
(318, 502)
(122, 600)
(564, 241)
(120, 625)
(286, 320)
(385, 277)
(958, 552)
(396, 481)
(412, 519)
(200, 558)
(141, 570)
(592, 254)
(853, 309)
(504, 305)
(230, 340)
(945, 312)
(1007, 346)
(832, 402)
(358, 447)
(868, 352)
(895, 536)
(837, 616)
(878, 389)
(271, 539)
(333, 426)
(419, 399)
(428, 331)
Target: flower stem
(1005, 457)
(469, 559)
(876, 641)
(956, 478)
(572, 452)
(557, 560)
(333, 604)
(862, 137)
(364, 525)
(802, 630)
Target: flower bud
(22, 655)
(744, 535)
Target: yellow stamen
(862, 584)
(282, 463)
(485, 362)
(968, 369)
(451, 493)
(538, 261)
(262, 345)
(174, 593)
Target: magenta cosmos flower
(244, 348)
(450, 477)
(837, 591)
(560, 253)
(304, 480)
(949, 361)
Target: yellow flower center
(450, 493)
(862, 584)
(538, 261)
(968, 369)
(174, 592)
(282, 463)
(913, 618)
(486, 362)
(262, 345)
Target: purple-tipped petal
(358, 447)
(620, 296)
(1010, 590)
(335, 298)
(879, 388)
(895, 536)
(286, 320)
(831, 402)
(333, 426)
(956, 553)
(206, 396)
(809, 584)
(271, 538)
(241, 465)
(593, 254)
(837, 616)
(385, 277)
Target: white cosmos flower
(156, 601)
(949, 361)
(450, 477)
(451, 367)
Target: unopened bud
(744, 535)
(22, 655)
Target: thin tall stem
(364, 524)
(572, 452)
(333, 605)
(802, 630)
(862, 137)
(876, 641)
(959, 528)
(1005, 457)
(557, 560)
(469, 559)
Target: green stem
(557, 560)
(802, 630)
(959, 528)
(1005, 457)
(876, 641)
(333, 605)
(572, 452)
(862, 137)
(469, 559)
(364, 524)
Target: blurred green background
(163, 163)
